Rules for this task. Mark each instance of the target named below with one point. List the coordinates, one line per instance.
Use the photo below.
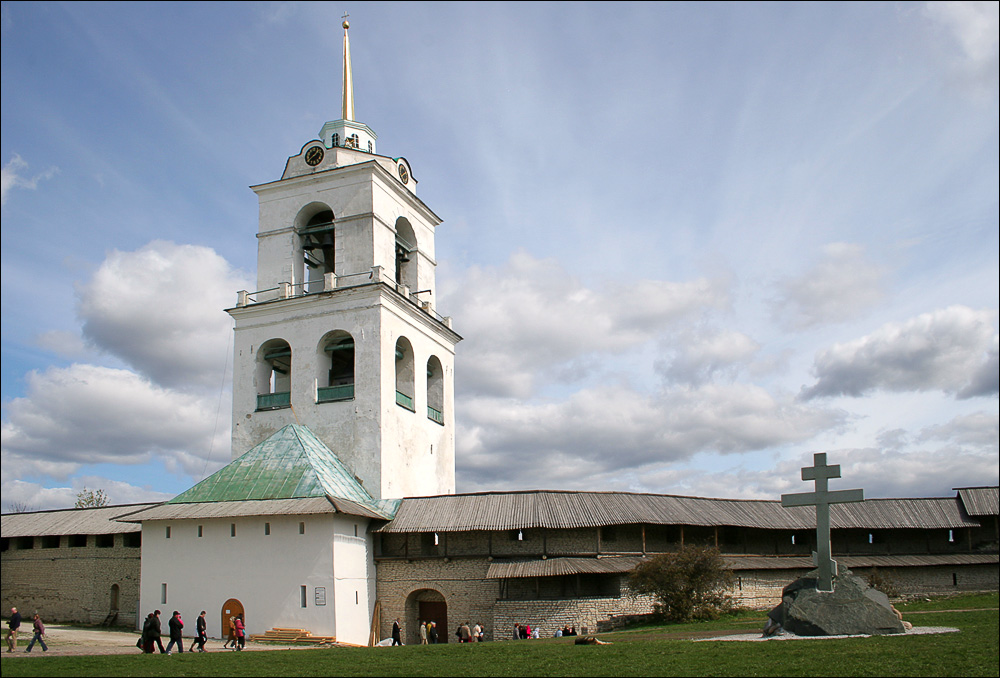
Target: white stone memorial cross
(821, 498)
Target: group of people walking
(429, 633)
(524, 632)
(152, 632)
(14, 625)
(237, 638)
(475, 634)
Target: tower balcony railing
(274, 401)
(435, 415)
(406, 401)
(331, 281)
(329, 394)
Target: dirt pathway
(75, 641)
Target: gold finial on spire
(348, 108)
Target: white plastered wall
(263, 572)
(418, 453)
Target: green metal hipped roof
(291, 464)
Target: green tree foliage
(692, 583)
(882, 582)
(91, 499)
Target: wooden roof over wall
(500, 511)
(980, 501)
(69, 521)
(554, 567)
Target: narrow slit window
(232, 529)
(267, 529)
(163, 594)
(168, 532)
(302, 595)
(302, 528)
(201, 531)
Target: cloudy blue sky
(688, 245)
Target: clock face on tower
(404, 174)
(314, 156)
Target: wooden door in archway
(232, 608)
(435, 611)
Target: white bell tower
(342, 335)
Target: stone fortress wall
(63, 581)
(456, 565)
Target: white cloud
(837, 288)
(961, 452)
(530, 317)
(510, 444)
(699, 355)
(950, 350)
(975, 25)
(10, 177)
(160, 309)
(35, 497)
(980, 429)
(84, 414)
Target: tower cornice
(372, 167)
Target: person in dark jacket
(396, 640)
(13, 624)
(156, 631)
(201, 626)
(146, 640)
(176, 628)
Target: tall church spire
(348, 132)
(348, 109)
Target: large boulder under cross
(852, 608)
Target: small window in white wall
(951, 535)
(793, 538)
(357, 600)
(168, 532)
(355, 530)
(267, 529)
(232, 529)
(163, 594)
(201, 531)
(302, 528)
(302, 595)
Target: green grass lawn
(648, 651)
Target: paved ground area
(74, 641)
